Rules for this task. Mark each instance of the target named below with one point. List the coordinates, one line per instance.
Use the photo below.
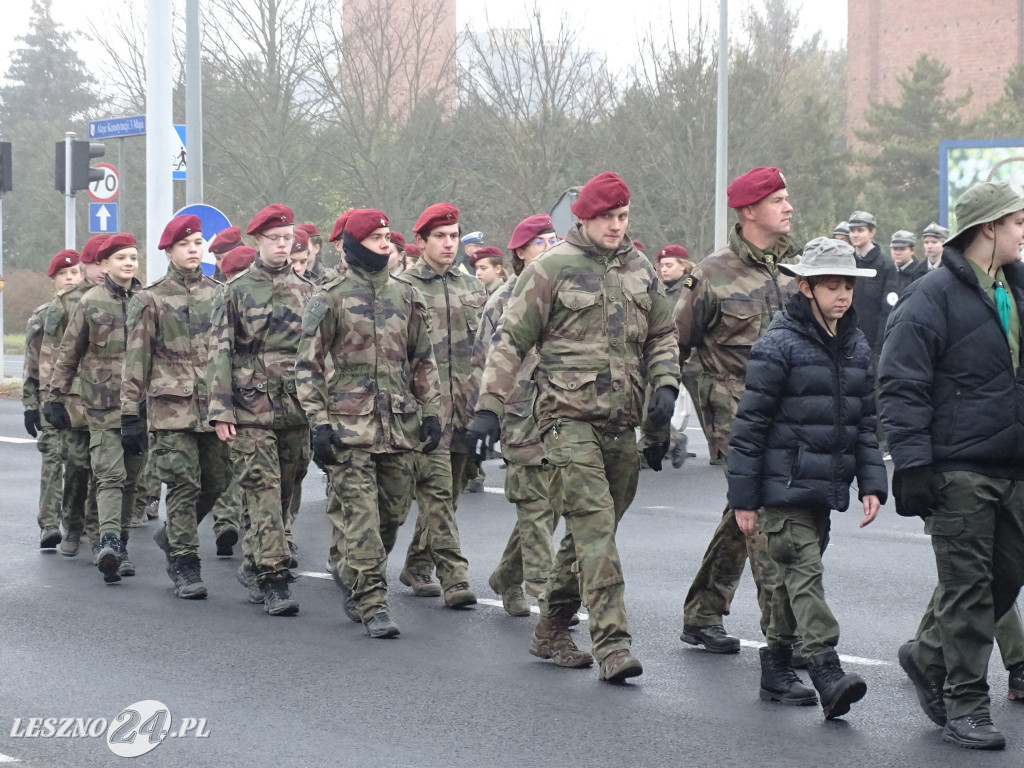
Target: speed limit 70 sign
(104, 190)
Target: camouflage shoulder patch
(334, 282)
(314, 312)
(134, 311)
(690, 282)
(53, 317)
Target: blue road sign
(116, 127)
(102, 218)
(213, 221)
(178, 164)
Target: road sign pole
(160, 130)
(193, 104)
(120, 187)
(69, 196)
(3, 372)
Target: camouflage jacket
(30, 370)
(257, 323)
(169, 334)
(728, 302)
(520, 437)
(454, 301)
(376, 329)
(55, 322)
(93, 348)
(602, 327)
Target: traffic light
(5, 167)
(81, 174)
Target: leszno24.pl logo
(135, 730)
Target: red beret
(362, 222)
(411, 249)
(754, 185)
(237, 259)
(300, 243)
(179, 228)
(527, 229)
(638, 245)
(488, 251)
(339, 226)
(91, 248)
(271, 216)
(115, 243)
(397, 239)
(602, 193)
(437, 215)
(310, 228)
(62, 260)
(673, 252)
(225, 240)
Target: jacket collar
(266, 270)
(182, 277)
(117, 291)
(576, 237)
(800, 313)
(784, 249)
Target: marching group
(397, 371)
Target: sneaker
(49, 538)
(188, 584)
(125, 566)
(349, 604)
(246, 575)
(381, 625)
(714, 638)
(70, 543)
(620, 665)
(1016, 683)
(226, 539)
(974, 731)
(277, 597)
(107, 559)
(929, 692)
(422, 585)
(459, 596)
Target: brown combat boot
(551, 640)
(422, 585)
(619, 665)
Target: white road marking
(22, 440)
(8, 758)
(533, 608)
(842, 657)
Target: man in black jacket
(871, 296)
(952, 404)
(901, 249)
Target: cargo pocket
(638, 306)
(582, 314)
(740, 325)
(99, 330)
(780, 545)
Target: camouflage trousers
(267, 463)
(195, 468)
(528, 553)
(373, 492)
(292, 510)
(51, 477)
(79, 502)
(716, 404)
(435, 539)
(593, 481)
(149, 485)
(115, 473)
(715, 584)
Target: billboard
(963, 164)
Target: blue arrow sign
(102, 218)
(117, 127)
(213, 221)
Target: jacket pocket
(638, 306)
(581, 314)
(99, 331)
(405, 421)
(740, 324)
(351, 403)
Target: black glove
(912, 490)
(133, 435)
(430, 433)
(655, 452)
(661, 406)
(484, 431)
(32, 424)
(324, 441)
(57, 415)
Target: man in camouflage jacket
(257, 322)
(597, 314)
(726, 304)
(371, 412)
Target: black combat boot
(779, 682)
(349, 604)
(125, 566)
(381, 625)
(107, 559)
(974, 731)
(837, 689)
(188, 585)
(277, 598)
(1016, 683)
(714, 638)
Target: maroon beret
(272, 216)
(237, 259)
(638, 245)
(604, 192)
(301, 241)
(62, 260)
(310, 228)
(673, 252)
(527, 229)
(397, 239)
(488, 251)
(91, 248)
(115, 243)
(437, 215)
(225, 240)
(179, 228)
(362, 222)
(411, 249)
(339, 226)
(754, 185)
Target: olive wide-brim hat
(824, 256)
(982, 203)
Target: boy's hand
(746, 519)
(871, 505)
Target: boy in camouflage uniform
(93, 348)
(726, 304)
(169, 336)
(257, 322)
(455, 301)
(597, 314)
(380, 402)
(63, 273)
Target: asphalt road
(457, 688)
